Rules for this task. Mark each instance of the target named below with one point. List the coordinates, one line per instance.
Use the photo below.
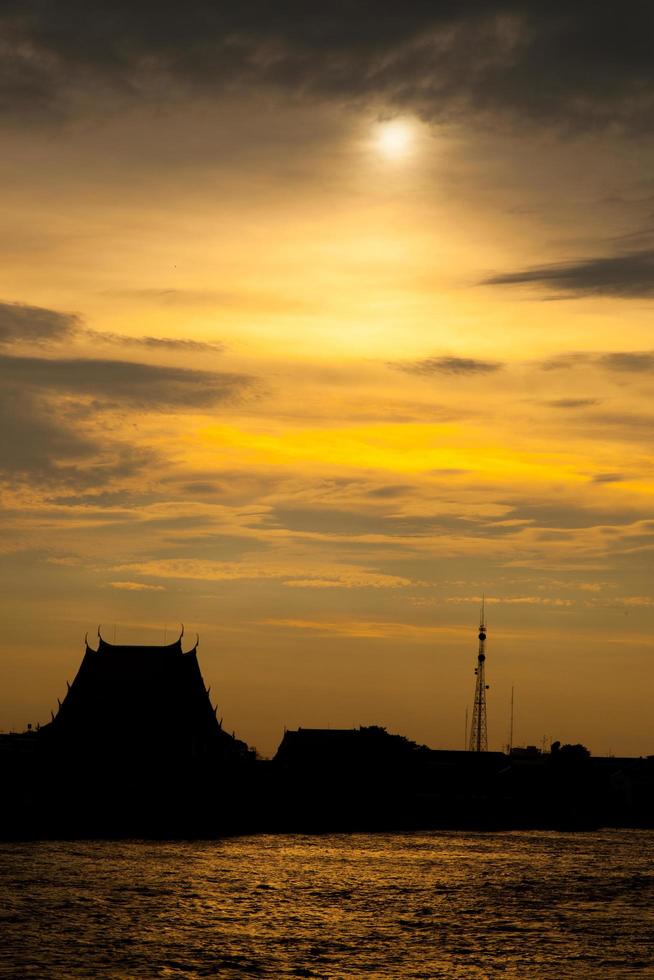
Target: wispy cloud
(573, 402)
(618, 362)
(628, 276)
(381, 629)
(608, 478)
(292, 573)
(137, 587)
(516, 600)
(147, 385)
(428, 366)
(175, 344)
(23, 324)
(635, 362)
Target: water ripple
(521, 906)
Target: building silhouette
(136, 749)
(135, 704)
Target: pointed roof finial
(99, 633)
(182, 633)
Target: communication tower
(478, 731)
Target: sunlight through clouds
(311, 344)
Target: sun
(394, 139)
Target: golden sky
(311, 350)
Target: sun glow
(394, 139)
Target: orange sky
(311, 375)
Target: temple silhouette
(133, 704)
(136, 749)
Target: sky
(318, 323)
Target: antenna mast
(478, 730)
(510, 745)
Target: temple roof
(142, 653)
(141, 697)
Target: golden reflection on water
(474, 906)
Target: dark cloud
(629, 361)
(45, 436)
(21, 323)
(125, 382)
(608, 478)
(202, 488)
(625, 425)
(214, 542)
(170, 343)
(235, 488)
(34, 324)
(390, 491)
(101, 465)
(628, 276)
(569, 517)
(573, 402)
(447, 365)
(621, 362)
(44, 446)
(354, 523)
(32, 438)
(584, 64)
(103, 499)
(158, 343)
(564, 361)
(345, 523)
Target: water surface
(453, 905)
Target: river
(517, 905)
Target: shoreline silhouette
(136, 749)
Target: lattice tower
(478, 728)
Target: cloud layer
(377, 441)
(565, 64)
(50, 404)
